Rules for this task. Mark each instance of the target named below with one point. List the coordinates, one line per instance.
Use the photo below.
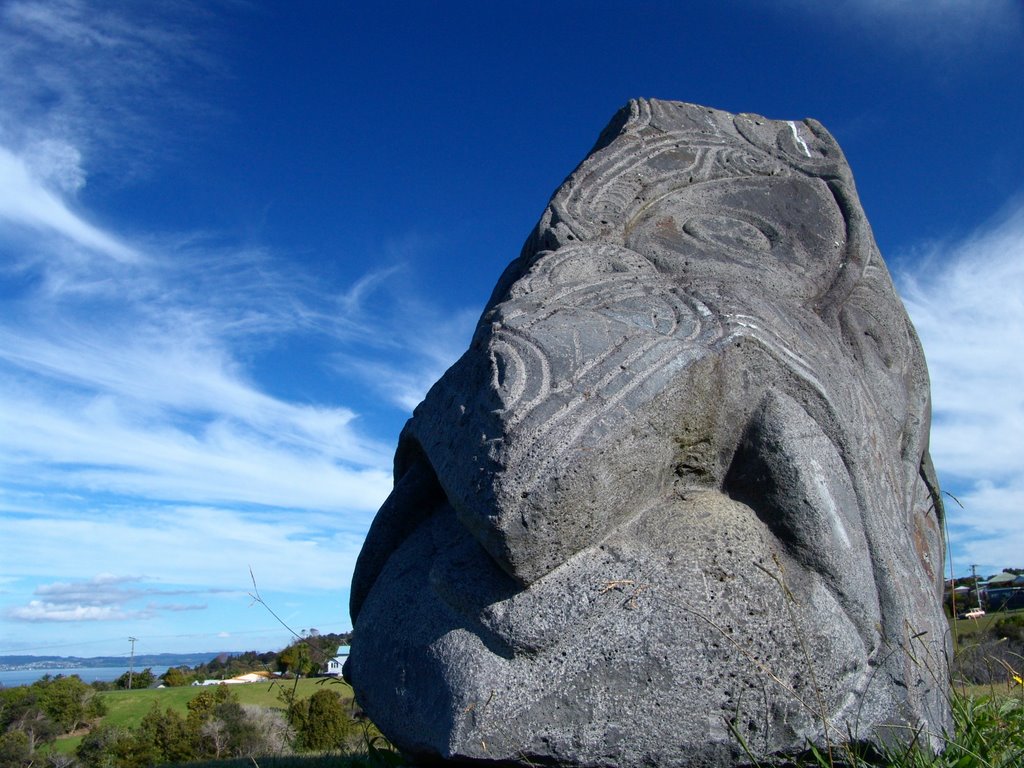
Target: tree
(275, 736)
(143, 679)
(22, 709)
(69, 702)
(210, 734)
(61, 760)
(227, 665)
(213, 735)
(202, 705)
(15, 751)
(169, 735)
(106, 746)
(318, 648)
(326, 724)
(176, 677)
(296, 709)
(243, 737)
(12, 702)
(216, 726)
(224, 728)
(297, 659)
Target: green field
(969, 629)
(127, 708)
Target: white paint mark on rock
(796, 137)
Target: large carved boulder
(674, 503)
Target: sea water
(9, 678)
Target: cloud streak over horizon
(103, 598)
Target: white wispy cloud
(103, 598)
(38, 611)
(942, 30)
(431, 342)
(140, 421)
(190, 547)
(56, 164)
(25, 201)
(91, 76)
(164, 408)
(131, 418)
(966, 300)
(105, 588)
(128, 389)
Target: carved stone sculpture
(676, 495)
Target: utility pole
(131, 663)
(977, 592)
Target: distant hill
(142, 661)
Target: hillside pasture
(127, 708)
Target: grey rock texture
(677, 491)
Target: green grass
(992, 691)
(971, 629)
(127, 708)
(989, 734)
(294, 761)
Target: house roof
(1004, 579)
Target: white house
(335, 664)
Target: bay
(9, 678)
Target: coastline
(12, 678)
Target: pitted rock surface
(677, 492)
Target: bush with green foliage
(325, 723)
(168, 735)
(216, 727)
(15, 750)
(297, 659)
(310, 653)
(106, 746)
(1010, 627)
(175, 677)
(32, 716)
(136, 680)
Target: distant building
(249, 677)
(1004, 592)
(1004, 580)
(335, 664)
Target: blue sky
(239, 240)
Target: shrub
(1010, 628)
(177, 676)
(272, 735)
(107, 746)
(136, 680)
(15, 750)
(168, 734)
(327, 724)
